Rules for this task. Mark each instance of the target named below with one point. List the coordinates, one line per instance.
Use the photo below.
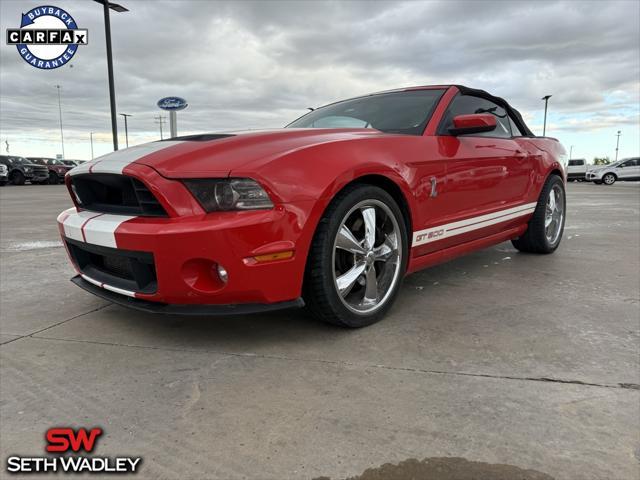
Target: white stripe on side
(440, 232)
(102, 229)
(116, 162)
(109, 287)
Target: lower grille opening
(126, 269)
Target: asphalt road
(515, 363)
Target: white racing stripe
(116, 162)
(440, 232)
(101, 230)
(94, 228)
(74, 222)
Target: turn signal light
(270, 257)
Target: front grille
(40, 171)
(126, 269)
(118, 266)
(113, 193)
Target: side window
(467, 104)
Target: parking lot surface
(525, 363)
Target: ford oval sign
(172, 103)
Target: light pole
(546, 101)
(60, 115)
(91, 138)
(570, 152)
(112, 91)
(126, 130)
(160, 120)
(618, 143)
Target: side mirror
(473, 123)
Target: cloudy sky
(260, 64)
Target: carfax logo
(66, 440)
(48, 37)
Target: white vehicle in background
(577, 169)
(627, 169)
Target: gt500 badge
(48, 37)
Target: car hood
(217, 155)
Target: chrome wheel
(609, 179)
(367, 254)
(554, 214)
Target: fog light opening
(222, 273)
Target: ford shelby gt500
(331, 211)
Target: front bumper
(593, 177)
(178, 257)
(194, 310)
(39, 176)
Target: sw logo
(48, 37)
(66, 440)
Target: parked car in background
(577, 169)
(57, 169)
(21, 170)
(627, 169)
(70, 163)
(4, 175)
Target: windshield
(18, 160)
(53, 161)
(396, 112)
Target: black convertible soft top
(499, 101)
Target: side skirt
(441, 256)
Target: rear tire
(17, 178)
(357, 258)
(546, 225)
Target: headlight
(228, 194)
(27, 169)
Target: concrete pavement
(531, 362)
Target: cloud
(259, 64)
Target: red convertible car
(331, 211)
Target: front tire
(609, 179)
(17, 178)
(547, 222)
(357, 258)
(53, 179)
